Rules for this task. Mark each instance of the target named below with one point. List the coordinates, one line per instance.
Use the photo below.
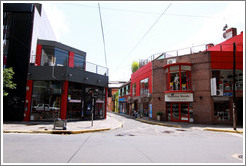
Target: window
(180, 112)
(221, 110)
(224, 79)
(134, 90)
(128, 89)
(46, 100)
(61, 57)
(52, 56)
(144, 86)
(79, 61)
(178, 77)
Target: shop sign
(74, 101)
(172, 97)
(99, 101)
(227, 94)
(122, 99)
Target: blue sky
(184, 24)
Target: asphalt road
(136, 142)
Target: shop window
(134, 90)
(180, 112)
(224, 79)
(46, 100)
(61, 57)
(144, 86)
(221, 110)
(79, 61)
(178, 77)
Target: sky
(136, 30)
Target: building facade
(198, 87)
(141, 90)
(124, 96)
(53, 80)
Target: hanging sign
(74, 101)
(172, 97)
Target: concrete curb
(156, 123)
(221, 130)
(62, 131)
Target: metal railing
(88, 66)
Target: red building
(141, 89)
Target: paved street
(135, 142)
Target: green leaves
(135, 66)
(7, 80)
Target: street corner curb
(160, 124)
(55, 131)
(220, 130)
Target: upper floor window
(79, 61)
(144, 86)
(178, 77)
(134, 90)
(52, 56)
(128, 89)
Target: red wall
(38, 55)
(28, 100)
(71, 59)
(224, 60)
(64, 100)
(140, 74)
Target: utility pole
(234, 91)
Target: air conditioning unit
(219, 92)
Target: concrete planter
(158, 117)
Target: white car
(42, 107)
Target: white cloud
(57, 18)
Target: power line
(103, 35)
(144, 35)
(142, 12)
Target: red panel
(140, 74)
(106, 97)
(64, 100)
(224, 60)
(71, 59)
(28, 100)
(38, 55)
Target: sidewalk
(74, 127)
(204, 127)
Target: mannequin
(176, 81)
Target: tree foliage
(7, 80)
(135, 66)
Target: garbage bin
(60, 123)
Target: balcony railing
(61, 61)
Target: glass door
(175, 111)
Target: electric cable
(143, 36)
(103, 35)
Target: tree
(135, 66)
(7, 80)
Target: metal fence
(90, 67)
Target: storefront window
(46, 100)
(134, 90)
(180, 112)
(221, 110)
(224, 79)
(144, 86)
(178, 77)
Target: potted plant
(159, 115)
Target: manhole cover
(168, 132)
(119, 135)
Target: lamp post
(234, 91)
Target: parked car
(45, 107)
